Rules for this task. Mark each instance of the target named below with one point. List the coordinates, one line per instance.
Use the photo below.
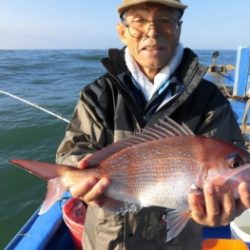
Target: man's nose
(153, 30)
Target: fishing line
(34, 105)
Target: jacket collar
(189, 73)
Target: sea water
(53, 80)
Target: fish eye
(234, 161)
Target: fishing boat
(49, 231)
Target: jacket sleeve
(86, 132)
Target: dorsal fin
(180, 130)
(162, 129)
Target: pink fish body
(155, 168)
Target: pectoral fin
(176, 221)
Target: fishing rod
(34, 105)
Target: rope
(244, 118)
(34, 105)
(217, 70)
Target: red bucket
(74, 212)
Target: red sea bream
(154, 168)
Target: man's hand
(90, 189)
(217, 206)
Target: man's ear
(179, 31)
(121, 30)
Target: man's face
(153, 50)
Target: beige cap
(172, 3)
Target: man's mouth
(151, 48)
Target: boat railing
(234, 82)
(240, 100)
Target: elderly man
(152, 77)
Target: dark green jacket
(110, 109)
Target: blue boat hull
(48, 231)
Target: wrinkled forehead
(148, 9)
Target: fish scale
(138, 184)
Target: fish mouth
(237, 175)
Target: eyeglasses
(140, 28)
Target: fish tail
(43, 170)
(52, 173)
(56, 188)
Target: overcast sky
(85, 24)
